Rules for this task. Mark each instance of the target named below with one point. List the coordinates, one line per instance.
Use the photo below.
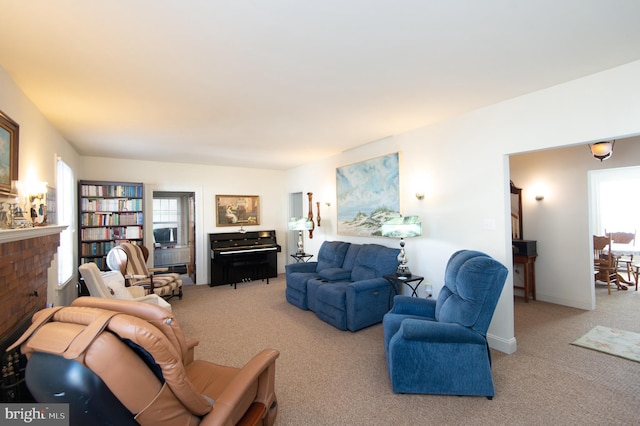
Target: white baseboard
(508, 346)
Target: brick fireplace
(25, 258)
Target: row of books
(110, 204)
(114, 233)
(110, 219)
(111, 191)
(100, 261)
(97, 249)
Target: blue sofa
(440, 347)
(345, 286)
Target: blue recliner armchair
(440, 347)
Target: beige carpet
(330, 377)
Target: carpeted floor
(330, 377)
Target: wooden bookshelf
(108, 213)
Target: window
(166, 214)
(65, 196)
(616, 209)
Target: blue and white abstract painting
(368, 194)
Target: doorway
(174, 233)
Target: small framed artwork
(237, 210)
(9, 135)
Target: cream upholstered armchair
(129, 259)
(120, 362)
(111, 285)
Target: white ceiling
(278, 83)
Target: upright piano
(243, 256)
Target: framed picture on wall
(9, 135)
(368, 195)
(237, 210)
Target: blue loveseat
(345, 287)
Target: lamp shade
(300, 224)
(402, 227)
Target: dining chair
(625, 261)
(635, 271)
(604, 263)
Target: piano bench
(258, 266)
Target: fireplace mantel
(8, 235)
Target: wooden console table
(528, 263)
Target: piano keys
(243, 256)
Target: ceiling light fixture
(602, 150)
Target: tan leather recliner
(106, 335)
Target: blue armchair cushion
(335, 274)
(373, 261)
(350, 256)
(466, 304)
(331, 254)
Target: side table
(412, 281)
(302, 257)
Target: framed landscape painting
(237, 210)
(368, 194)
(9, 133)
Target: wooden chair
(625, 261)
(635, 272)
(604, 263)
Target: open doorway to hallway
(174, 233)
(557, 213)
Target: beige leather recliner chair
(139, 352)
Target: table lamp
(402, 227)
(300, 224)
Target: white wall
(560, 223)
(206, 182)
(463, 166)
(40, 143)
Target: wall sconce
(31, 198)
(602, 150)
(36, 190)
(402, 227)
(539, 197)
(420, 195)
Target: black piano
(243, 256)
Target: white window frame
(65, 206)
